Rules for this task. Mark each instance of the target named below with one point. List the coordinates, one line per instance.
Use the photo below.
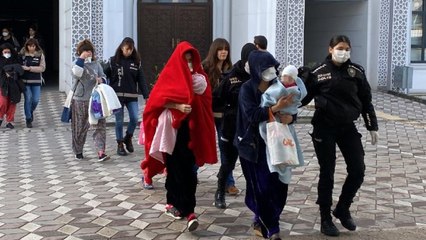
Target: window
(418, 26)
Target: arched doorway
(162, 24)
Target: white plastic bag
(280, 143)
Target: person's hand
(185, 108)
(26, 68)
(284, 101)
(285, 118)
(374, 137)
(85, 54)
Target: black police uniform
(341, 94)
(227, 96)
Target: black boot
(120, 148)
(327, 226)
(128, 142)
(342, 213)
(219, 199)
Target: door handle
(173, 43)
(177, 41)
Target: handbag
(66, 115)
(280, 143)
(66, 111)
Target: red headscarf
(175, 85)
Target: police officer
(227, 92)
(341, 93)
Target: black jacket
(341, 94)
(126, 78)
(11, 83)
(226, 97)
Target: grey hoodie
(84, 75)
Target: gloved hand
(374, 137)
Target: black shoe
(345, 219)
(328, 228)
(120, 149)
(10, 126)
(219, 200)
(79, 156)
(29, 124)
(128, 142)
(103, 157)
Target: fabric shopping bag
(280, 143)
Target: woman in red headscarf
(183, 93)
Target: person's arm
(143, 86)
(250, 106)
(368, 112)
(185, 108)
(101, 78)
(310, 81)
(40, 68)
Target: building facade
(385, 34)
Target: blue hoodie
(250, 114)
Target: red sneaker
(192, 222)
(173, 212)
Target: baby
(288, 84)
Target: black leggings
(181, 180)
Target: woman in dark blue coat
(265, 195)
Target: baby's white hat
(291, 71)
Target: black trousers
(348, 139)
(181, 180)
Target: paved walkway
(46, 194)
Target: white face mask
(190, 66)
(5, 34)
(247, 68)
(88, 60)
(341, 56)
(7, 55)
(269, 74)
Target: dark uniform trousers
(348, 139)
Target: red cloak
(175, 85)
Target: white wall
(419, 78)
(222, 19)
(118, 22)
(325, 19)
(373, 43)
(248, 19)
(65, 42)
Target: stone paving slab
(46, 194)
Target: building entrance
(20, 15)
(161, 26)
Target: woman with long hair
(126, 78)
(218, 62)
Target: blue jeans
(133, 109)
(230, 181)
(31, 99)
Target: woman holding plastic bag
(283, 149)
(87, 72)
